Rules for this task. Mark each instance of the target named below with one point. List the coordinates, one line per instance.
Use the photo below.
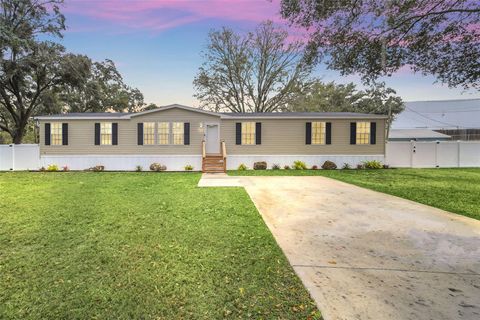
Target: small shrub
(276, 166)
(42, 169)
(65, 169)
(346, 166)
(299, 165)
(286, 167)
(386, 166)
(157, 167)
(97, 168)
(372, 164)
(242, 167)
(314, 167)
(261, 165)
(329, 165)
(188, 167)
(138, 169)
(52, 168)
(360, 166)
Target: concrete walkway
(368, 255)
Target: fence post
(458, 153)
(412, 152)
(12, 167)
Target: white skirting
(123, 162)
(178, 162)
(233, 161)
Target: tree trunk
(17, 136)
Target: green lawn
(454, 190)
(138, 246)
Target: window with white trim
(177, 132)
(163, 132)
(363, 133)
(149, 133)
(318, 132)
(106, 133)
(56, 134)
(248, 133)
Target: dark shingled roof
(90, 114)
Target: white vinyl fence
(433, 154)
(19, 157)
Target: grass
(454, 190)
(139, 246)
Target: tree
(37, 76)
(27, 67)
(253, 72)
(376, 38)
(332, 97)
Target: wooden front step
(213, 163)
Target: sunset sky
(156, 44)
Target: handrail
(204, 154)
(224, 154)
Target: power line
(428, 118)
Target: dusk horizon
(156, 45)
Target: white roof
(416, 134)
(441, 114)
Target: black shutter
(353, 133)
(308, 133)
(115, 134)
(238, 133)
(65, 134)
(140, 133)
(97, 134)
(328, 133)
(258, 133)
(47, 134)
(186, 133)
(373, 132)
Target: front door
(212, 139)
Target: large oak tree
(376, 38)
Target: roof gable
(172, 106)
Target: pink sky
(159, 15)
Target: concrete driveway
(368, 255)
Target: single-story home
(177, 135)
(416, 135)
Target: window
(56, 134)
(318, 132)
(248, 133)
(148, 133)
(177, 132)
(363, 133)
(163, 133)
(105, 133)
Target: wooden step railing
(224, 154)
(204, 155)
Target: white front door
(212, 139)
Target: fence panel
(19, 157)
(433, 154)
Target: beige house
(177, 135)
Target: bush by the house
(299, 165)
(242, 167)
(315, 167)
(286, 167)
(65, 168)
(261, 165)
(98, 168)
(138, 168)
(360, 166)
(42, 169)
(276, 166)
(373, 164)
(52, 168)
(188, 167)
(329, 165)
(346, 166)
(386, 166)
(157, 167)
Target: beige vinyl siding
(287, 137)
(81, 134)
